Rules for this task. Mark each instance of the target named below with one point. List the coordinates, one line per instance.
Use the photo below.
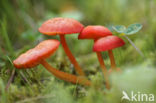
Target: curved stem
(70, 56)
(112, 60)
(104, 69)
(65, 76)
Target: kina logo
(138, 96)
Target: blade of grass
(74, 92)
(12, 74)
(28, 100)
(5, 36)
(3, 97)
(25, 79)
(10, 79)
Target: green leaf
(119, 28)
(132, 29)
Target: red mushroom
(95, 32)
(63, 26)
(37, 55)
(107, 44)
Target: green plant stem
(136, 48)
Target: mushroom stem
(104, 69)
(70, 56)
(112, 60)
(65, 76)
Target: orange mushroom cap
(107, 43)
(33, 56)
(94, 32)
(61, 26)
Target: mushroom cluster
(103, 41)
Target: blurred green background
(19, 23)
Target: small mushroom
(107, 44)
(62, 26)
(95, 32)
(37, 55)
